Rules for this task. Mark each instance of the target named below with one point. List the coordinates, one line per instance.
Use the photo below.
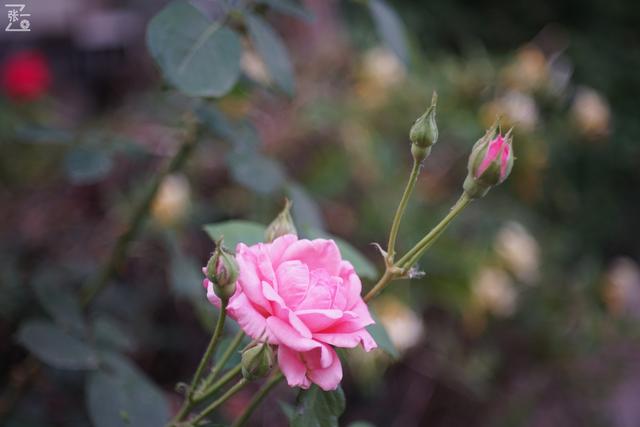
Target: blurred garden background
(529, 311)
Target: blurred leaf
(111, 334)
(363, 266)
(59, 302)
(289, 7)
(306, 213)
(87, 164)
(55, 347)
(288, 409)
(185, 272)
(217, 122)
(198, 56)
(13, 294)
(121, 395)
(236, 231)
(381, 337)
(361, 424)
(273, 52)
(390, 28)
(318, 408)
(255, 171)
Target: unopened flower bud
(424, 132)
(283, 224)
(490, 163)
(222, 271)
(257, 362)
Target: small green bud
(257, 361)
(283, 224)
(222, 271)
(424, 132)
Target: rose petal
(292, 367)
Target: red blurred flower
(25, 75)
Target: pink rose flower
(303, 297)
(498, 152)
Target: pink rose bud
(490, 163)
(222, 272)
(283, 224)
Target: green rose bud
(424, 132)
(283, 224)
(257, 362)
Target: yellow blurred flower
(519, 250)
(172, 201)
(621, 290)
(591, 113)
(380, 72)
(528, 71)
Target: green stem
(258, 398)
(189, 401)
(386, 278)
(205, 394)
(395, 226)
(141, 211)
(411, 257)
(213, 406)
(223, 360)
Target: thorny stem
(395, 226)
(189, 400)
(205, 394)
(96, 285)
(401, 268)
(223, 360)
(258, 398)
(411, 257)
(214, 405)
(31, 366)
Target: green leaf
(289, 7)
(305, 211)
(318, 408)
(55, 347)
(119, 395)
(59, 302)
(381, 337)
(361, 424)
(255, 171)
(109, 333)
(236, 231)
(363, 266)
(199, 57)
(87, 165)
(390, 28)
(273, 52)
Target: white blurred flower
(404, 327)
(493, 291)
(622, 287)
(172, 200)
(519, 250)
(591, 112)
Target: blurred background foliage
(527, 314)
